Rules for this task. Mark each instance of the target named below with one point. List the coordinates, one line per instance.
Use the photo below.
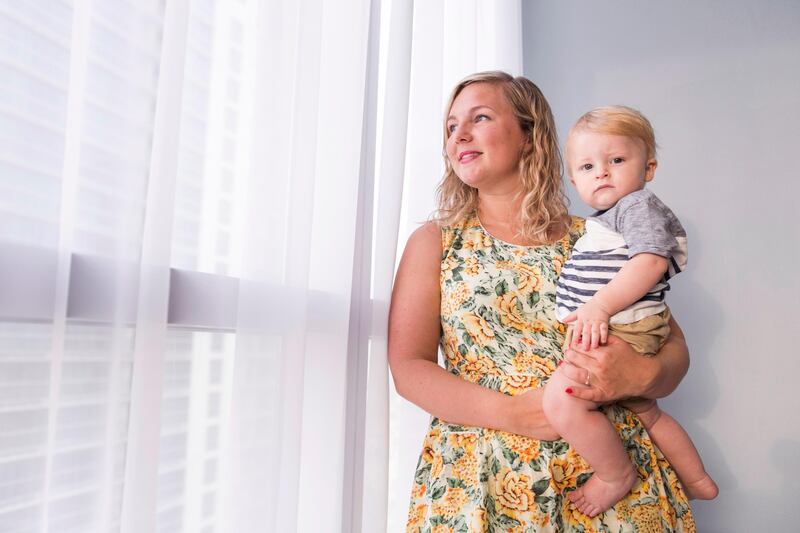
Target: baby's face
(604, 167)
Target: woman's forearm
(458, 401)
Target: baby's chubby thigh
(563, 410)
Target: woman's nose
(462, 133)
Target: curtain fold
(140, 488)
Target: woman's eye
(481, 117)
(451, 128)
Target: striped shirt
(638, 223)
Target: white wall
(720, 80)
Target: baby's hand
(590, 328)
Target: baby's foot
(598, 495)
(702, 489)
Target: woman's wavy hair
(544, 204)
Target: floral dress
(499, 330)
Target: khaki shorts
(646, 336)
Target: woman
(480, 281)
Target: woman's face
(485, 141)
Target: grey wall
(720, 80)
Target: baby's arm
(639, 274)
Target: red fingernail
(560, 363)
(568, 390)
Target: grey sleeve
(649, 226)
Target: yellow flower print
(427, 453)
(688, 523)
(471, 266)
(441, 528)
(573, 517)
(466, 469)
(564, 473)
(451, 503)
(512, 490)
(623, 509)
(530, 278)
(510, 315)
(526, 448)
(558, 264)
(450, 346)
(529, 341)
(467, 441)
(452, 301)
(676, 487)
(532, 363)
(478, 517)
(666, 509)
(642, 488)
(538, 326)
(477, 366)
(515, 384)
(480, 330)
(416, 516)
(419, 490)
(475, 240)
(437, 465)
(647, 518)
(447, 268)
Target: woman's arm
(414, 328)
(617, 372)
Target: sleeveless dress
(499, 330)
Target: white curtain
(200, 204)
(451, 39)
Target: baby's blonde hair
(544, 204)
(617, 120)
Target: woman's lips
(466, 157)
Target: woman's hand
(528, 417)
(616, 371)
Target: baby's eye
(617, 160)
(585, 167)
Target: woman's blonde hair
(544, 204)
(617, 120)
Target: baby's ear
(650, 169)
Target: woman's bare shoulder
(425, 243)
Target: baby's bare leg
(677, 447)
(593, 437)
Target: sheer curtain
(451, 39)
(200, 204)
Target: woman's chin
(471, 181)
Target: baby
(614, 282)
